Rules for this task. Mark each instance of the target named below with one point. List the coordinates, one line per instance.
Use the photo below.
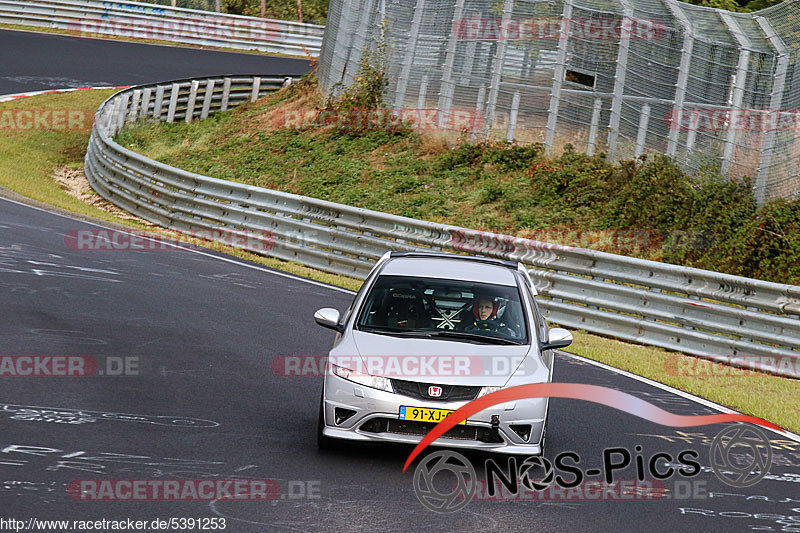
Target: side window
(358, 296)
(541, 324)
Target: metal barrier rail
(709, 314)
(157, 22)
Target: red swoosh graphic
(579, 391)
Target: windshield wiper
(395, 332)
(474, 337)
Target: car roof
(451, 266)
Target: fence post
(558, 77)
(641, 136)
(683, 78)
(408, 58)
(512, 118)
(422, 96)
(358, 38)
(738, 88)
(619, 79)
(598, 106)
(775, 103)
(497, 71)
(447, 86)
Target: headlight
(488, 390)
(375, 382)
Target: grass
(648, 208)
(30, 159)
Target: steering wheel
(490, 325)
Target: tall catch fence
(713, 89)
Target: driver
(484, 317)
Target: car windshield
(452, 309)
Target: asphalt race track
(203, 401)
(37, 61)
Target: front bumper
(376, 420)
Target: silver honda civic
(426, 334)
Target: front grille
(407, 427)
(450, 393)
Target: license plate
(424, 414)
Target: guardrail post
(173, 102)
(775, 102)
(133, 113)
(145, 109)
(123, 110)
(256, 89)
(208, 96)
(192, 100)
(641, 136)
(512, 118)
(226, 93)
(595, 125)
(158, 105)
(111, 115)
(559, 73)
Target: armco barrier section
(164, 23)
(717, 316)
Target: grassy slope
(389, 172)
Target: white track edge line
(673, 390)
(226, 259)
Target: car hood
(438, 361)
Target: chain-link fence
(713, 89)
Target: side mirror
(557, 338)
(328, 317)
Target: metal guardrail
(164, 23)
(717, 316)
